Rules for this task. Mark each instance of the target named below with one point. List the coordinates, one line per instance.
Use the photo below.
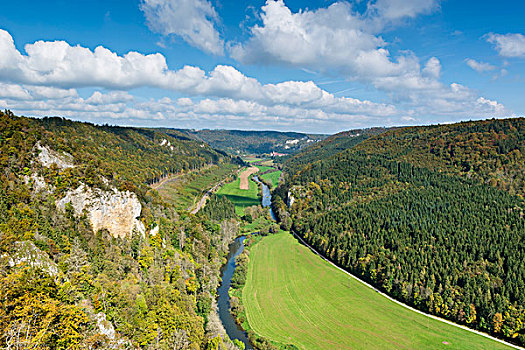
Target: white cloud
(43, 82)
(397, 9)
(508, 45)
(479, 67)
(192, 20)
(339, 39)
(432, 68)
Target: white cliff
(114, 210)
(26, 252)
(47, 157)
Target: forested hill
(490, 151)
(127, 157)
(253, 142)
(434, 216)
(90, 256)
(331, 146)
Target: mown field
(186, 190)
(240, 198)
(273, 177)
(293, 296)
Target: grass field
(240, 198)
(262, 169)
(251, 159)
(268, 162)
(186, 190)
(293, 296)
(273, 177)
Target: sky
(314, 66)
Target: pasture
(293, 296)
(240, 198)
(273, 177)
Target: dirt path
(205, 197)
(165, 180)
(245, 176)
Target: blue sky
(315, 66)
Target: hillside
(330, 146)
(253, 142)
(292, 295)
(434, 216)
(90, 256)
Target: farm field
(184, 191)
(273, 177)
(262, 168)
(240, 198)
(293, 296)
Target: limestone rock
(27, 252)
(47, 157)
(114, 210)
(104, 326)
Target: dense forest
(434, 216)
(64, 286)
(252, 142)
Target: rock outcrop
(104, 326)
(26, 252)
(114, 210)
(47, 157)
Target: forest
(252, 142)
(434, 216)
(63, 286)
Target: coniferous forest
(434, 216)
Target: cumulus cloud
(193, 20)
(339, 39)
(43, 81)
(479, 67)
(508, 45)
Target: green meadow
(240, 198)
(273, 177)
(293, 296)
(186, 190)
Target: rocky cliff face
(47, 157)
(26, 252)
(114, 210)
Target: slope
(293, 296)
(414, 223)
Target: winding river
(233, 330)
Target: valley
(129, 231)
(293, 296)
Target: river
(233, 330)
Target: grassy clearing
(187, 189)
(293, 296)
(251, 159)
(273, 177)
(240, 198)
(268, 162)
(262, 169)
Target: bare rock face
(26, 252)
(47, 157)
(114, 210)
(38, 183)
(104, 326)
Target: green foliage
(153, 289)
(31, 304)
(294, 296)
(252, 142)
(413, 212)
(218, 208)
